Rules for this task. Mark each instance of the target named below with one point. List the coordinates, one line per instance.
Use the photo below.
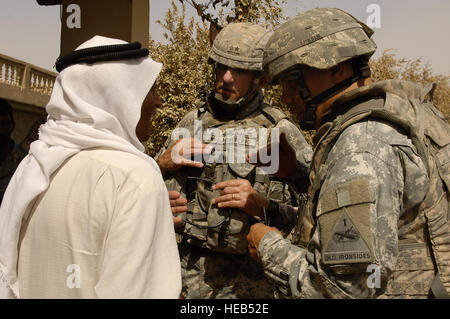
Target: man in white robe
(87, 214)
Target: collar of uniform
(346, 102)
(323, 129)
(214, 107)
(355, 97)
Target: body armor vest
(206, 225)
(430, 134)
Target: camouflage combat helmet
(320, 38)
(240, 45)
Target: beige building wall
(123, 19)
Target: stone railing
(20, 74)
(25, 83)
(11, 71)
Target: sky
(414, 28)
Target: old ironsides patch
(346, 243)
(344, 220)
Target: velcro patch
(344, 222)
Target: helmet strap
(361, 70)
(230, 108)
(235, 106)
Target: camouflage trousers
(211, 275)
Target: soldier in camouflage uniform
(213, 248)
(376, 223)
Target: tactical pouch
(438, 219)
(196, 217)
(229, 227)
(222, 230)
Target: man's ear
(262, 83)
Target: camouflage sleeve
(303, 153)
(373, 174)
(288, 266)
(303, 150)
(288, 210)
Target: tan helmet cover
(240, 45)
(320, 38)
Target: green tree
(265, 12)
(185, 71)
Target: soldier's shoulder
(375, 129)
(377, 137)
(273, 114)
(275, 111)
(188, 119)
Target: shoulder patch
(346, 244)
(344, 221)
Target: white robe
(102, 229)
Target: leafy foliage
(185, 71)
(265, 12)
(389, 66)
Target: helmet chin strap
(360, 70)
(234, 106)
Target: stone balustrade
(17, 73)
(25, 83)
(41, 82)
(11, 71)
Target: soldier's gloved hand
(180, 153)
(287, 159)
(178, 206)
(239, 193)
(257, 232)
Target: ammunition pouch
(222, 230)
(208, 226)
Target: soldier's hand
(287, 158)
(180, 153)
(239, 193)
(178, 206)
(257, 232)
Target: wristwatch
(270, 211)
